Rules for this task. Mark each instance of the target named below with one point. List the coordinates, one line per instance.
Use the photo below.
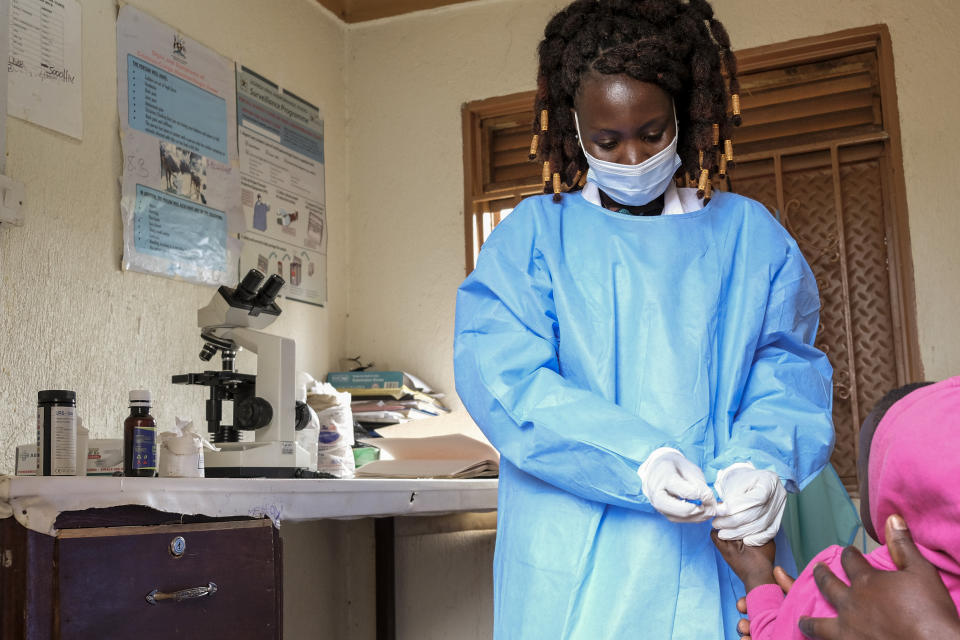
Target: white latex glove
(752, 504)
(672, 483)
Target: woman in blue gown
(640, 354)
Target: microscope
(264, 403)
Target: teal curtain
(819, 516)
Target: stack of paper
(448, 447)
(387, 397)
(393, 411)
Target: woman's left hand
(753, 503)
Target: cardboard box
(26, 460)
(369, 380)
(105, 457)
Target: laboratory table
(107, 557)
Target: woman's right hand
(676, 487)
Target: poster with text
(180, 198)
(282, 187)
(44, 64)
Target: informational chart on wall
(282, 186)
(44, 69)
(180, 190)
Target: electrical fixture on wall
(11, 201)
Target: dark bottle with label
(56, 433)
(140, 438)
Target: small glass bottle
(140, 438)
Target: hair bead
(544, 120)
(708, 192)
(534, 145)
(556, 183)
(737, 119)
(546, 171)
(704, 182)
(723, 165)
(728, 150)
(700, 158)
(716, 134)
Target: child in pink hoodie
(908, 464)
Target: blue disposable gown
(585, 339)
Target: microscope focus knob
(252, 413)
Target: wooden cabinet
(208, 580)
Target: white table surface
(37, 501)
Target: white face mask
(633, 184)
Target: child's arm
(753, 565)
(774, 616)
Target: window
(820, 147)
(496, 169)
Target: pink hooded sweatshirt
(914, 469)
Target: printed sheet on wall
(282, 186)
(44, 64)
(180, 190)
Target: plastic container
(56, 433)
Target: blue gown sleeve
(784, 422)
(508, 376)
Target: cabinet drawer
(105, 575)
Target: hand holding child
(909, 603)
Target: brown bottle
(140, 438)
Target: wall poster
(44, 64)
(282, 186)
(180, 191)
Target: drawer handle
(157, 596)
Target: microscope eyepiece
(268, 292)
(247, 289)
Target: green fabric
(819, 516)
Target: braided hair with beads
(677, 45)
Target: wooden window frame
(874, 38)
(475, 160)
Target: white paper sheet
(44, 64)
(4, 51)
